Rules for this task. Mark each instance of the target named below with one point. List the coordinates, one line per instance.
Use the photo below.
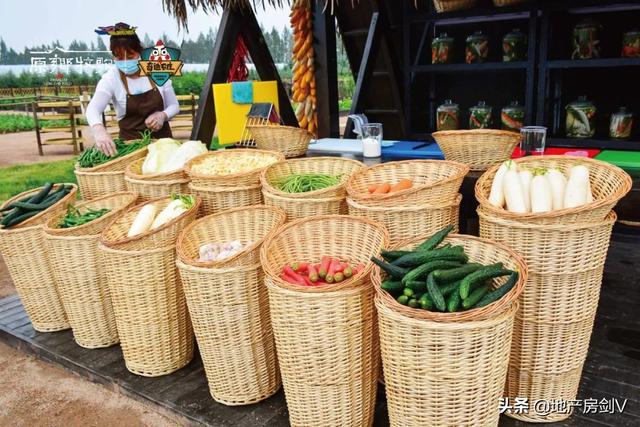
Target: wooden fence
(30, 92)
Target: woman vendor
(139, 103)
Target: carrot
(373, 188)
(292, 276)
(339, 277)
(324, 266)
(313, 273)
(339, 265)
(299, 266)
(332, 271)
(403, 184)
(383, 188)
(307, 281)
(348, 271)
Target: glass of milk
(372, 140)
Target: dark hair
(131, 42)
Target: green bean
(302, 183)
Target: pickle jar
(514, 46)
(442, 49)
(581, 116)
(480, 116)
(476, 48)
(512, 117)
(448, 116)
(621, 124)
(585, 40)
(631, 44)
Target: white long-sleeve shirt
(110, 88)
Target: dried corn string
(304, 84)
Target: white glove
(156, 120)
(104, 143)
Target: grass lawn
(18, 178)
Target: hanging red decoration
(239, 71)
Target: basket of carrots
(480, 149)
(325, 327)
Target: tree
(77, 45)
(100, 44)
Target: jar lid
(582, 101)
(514, 34)
(476, 36)
(443, 37)
(448, 104)
(633, 32)
(623, 111)
(513, 106)
(481, 106)
(587, 23)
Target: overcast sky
(33, 22)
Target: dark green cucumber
(42, 194)
(479, 276)
(21, 218)
(475, 297)
(390, 269)
(408, 292)
(500, 292)
(453, 302)
(421, 272)
(450, 288)
(413, 303)
(403, 299)
(425, 302)
(16, 212)
(391, 256)
(414, 259)
(448, 276)
(435, 239)
(417, 285)
(392, 286)
(434, 293)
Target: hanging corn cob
(304, 83)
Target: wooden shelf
(457, 68)
(601, 144)
(476, 14)
(594, 63)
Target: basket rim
(106, 165)
(106, 248)
(328, 287)
(496, 132)
(282, 127)
(463, 169)
(157, 182)
(55, 231)
(254, 245)
(109, 243)
(614, 198)
(91, 173)
(355, 204)
(148, 177)
(309, 194)
(27, 224)
(222, 189)
(267, 193)
(561, 227)
(189, 165)
(224, 270)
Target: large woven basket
(115, 234)
(301, 208)
(150, 309)
(215, 200)
(288, 140)
(229, 305)
(153, 189)
(134, 171)
(451, 5)
(403, 223)
(609, 184)
(335, 166)
(480, 149)
(242, 179)
(326, 336)
(73, 254)
(444, 374)
(28, 264)
(434, 182)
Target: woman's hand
(104, 143)
(156, 120)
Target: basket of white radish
(552, 189)
(151, 225)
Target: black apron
(139, 107)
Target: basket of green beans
(126, 151)
(75, 217)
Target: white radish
(172, 210)
(496, 196)
(525, 180)
(541, 194)
(513, 194)
(577, 189)
(143, 220)
(558, 182)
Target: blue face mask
(127, 66)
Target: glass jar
(480, 116)
(448, 116)
(621, 124)
(514, 46)
(631, 44)
(580, 118)
(586, 40)
(512, 116)
(476, 48)
(442, 49)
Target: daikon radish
(557, 182)
(525, 180)
(541, 193)
(577, 189)
(513, 194)
(179, 204)
(143, 220)
(496, 196)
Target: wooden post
(193, 108)
(72, 120)
(34, 105)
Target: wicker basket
(302, 208)
(609, 184)
(223, 198)
(451, 5)
(288, 140)
(150, 309)
(243, 179)
(478, 148)
(115, 234)
(503, 3)
(134, 171)
(30, 270)
(405, 223)
(434, 182)
(444, 374)
(229, 305)
(150, 190)
(335, 166)
(80, 281)
(326, 336)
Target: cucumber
(434, 293)
(417, 285)
(414, 259)
(450, 288)
(390, 269)
(475, 297)
(11, 216)
(453, 302)
(423, 271)
(392, 286)
(435, 239)
(413, 303)
(408, 292)
(448, 276)
(403, 299)
(21, 218)
(479, 276)
(42, 194)
(425, 302)
(390, 256)
(500, 292)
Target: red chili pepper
(324, 266)
(313, 273)
(288, 271)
